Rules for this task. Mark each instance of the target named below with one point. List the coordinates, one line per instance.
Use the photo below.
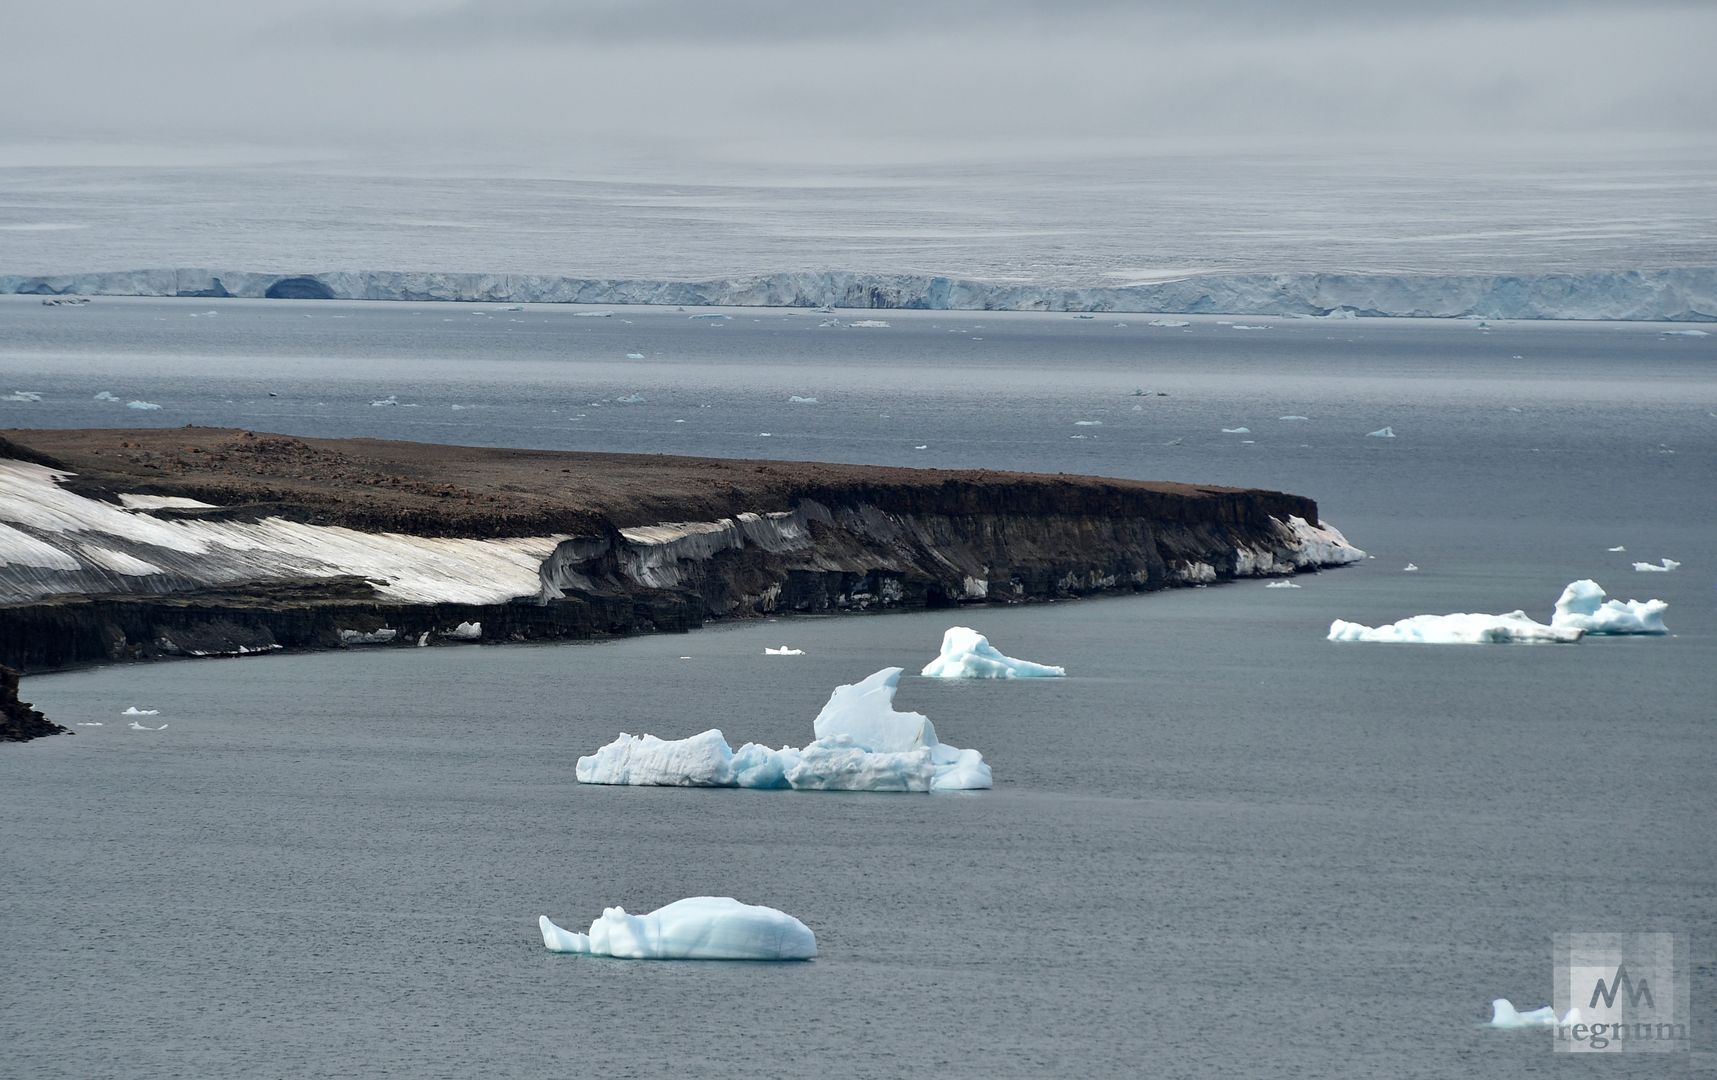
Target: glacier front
(967, 654)
(1582, 607)
(862, 744)
(696, 928)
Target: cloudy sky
(783, 79)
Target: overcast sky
(775, 79)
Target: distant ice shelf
(1685, 294)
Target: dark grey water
(1224, 847)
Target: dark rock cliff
(18, 721)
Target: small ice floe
(1169, 324)
(868, 322)
(1174, 442)
(135, 711)
(1084, 316)
(765, 434)
(1381, 433)
(967, 654)
(22, 395)
(141, 405)
(1410, 568)
(1237, 431)
(798, 400)
(1686, 333)
(862, 744)
(514, 307)
(1663, 567)
(1618, 547)
(135, 726)
(1281, 585)
(1293, 418)
(389, 401)
(466, 631)
(630, 399)
(368, 637)
(784, 650)
(1457, 629)
(1237, 326)
(1087, 423)
(697, 928)
(713, 315)
(1582, 606)
(1504, 1015)
(634, 356)
(107, 395)
(92, 723)
(922, 446)
(595, 314)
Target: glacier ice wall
(1673, 294)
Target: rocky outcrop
(321, 544)
(18, 721)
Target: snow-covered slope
(1677, 294)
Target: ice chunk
(135, 726)
(135, 711)
(1381, 433)
(797, 400)
(390, 400)
(1582, 607)
(1410, 568)
(634, 356)
(22, 395)
(1169, 324)
(967, 654)
(1281, 585)
(1237, 431)
(630, 399)
(594, 314)
(783, 651)
(1293, 418)
(1618, 547)
(697, 928)
(868, 322)
(372, 637)
(710, 315)
(1654, 568)
(107, 395)
(1686, 333)
(1456, 629)
(1087, 423)
(862, 744)
(1504, 1015)
(467, 631)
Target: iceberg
(1281, 585)
(1381, 433)
(466, 631)
(1237, 431)
(1293, 418)
(1087, 423)
(1169, 324)
(716, 315)
(1618, 547)
(868, 322)
(630, 399)
(1656, 568)
(1504, 1015)
(107, 395)
(861, 744)
(22, 395)
(634, 356)
(141, 405)
(1456, 629)
(783, 651)
(1686, 333)
(797, 400)
(967, 654)
(135, 726)
(1582, 607)
(697, 928)
(135, 711)
(1410, 568)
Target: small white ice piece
(1664, 567)
(785, 650)
(1237, 431)
(135, 711)
(1381, 433)
(697, 928)
(143, 406)
(967, 654)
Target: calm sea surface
(1223, 847)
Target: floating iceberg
(697, 928)
(141, 405)
(1381, 433)
(634, 356)
(1410, 568)
(135, 711)
(107, 395)
(1582, 607)
(135, 726)
(1087, 423)
(797, 400)
(630, 399)
(783, 651)
(467, 631)
(390, 400)
(1686, 333)
(1456, 629)
(967, 654)
(1504, 1015)
(861, 744)
(1655, 568)
(1237, 431)
(1618, 547)
(22, 395)
(1293, 418)
(1281, 585)
(868, 322)
(1169, 324)
(710, 315)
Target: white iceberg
(1686, 333)
(634, 356)
(22, 395)
(1381, 433)
(1582, 607)
(1281, 585)
(1169, 324)
(390, 400)
(1504, 1015)
(107, 395)
(1456, 629)
(467, 631)
(868, 322)
(1655, 568)
(1618, 547)
(1087, 423)
(784, 650)
(1410, 568)
(861, 744)
(797, 400)
(697, 928)
(135, 711)
(135, 726)
(1293, 418)
(967, 654)
(1237, 431)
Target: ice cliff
(1679, 294)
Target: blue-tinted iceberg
(967, 654)
(697, 928)
(1457, 629)
(1582, 607)
(1504, 1015)
(862, 744)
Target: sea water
(1223, 846)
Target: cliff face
(19, 722)
(93, 570)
